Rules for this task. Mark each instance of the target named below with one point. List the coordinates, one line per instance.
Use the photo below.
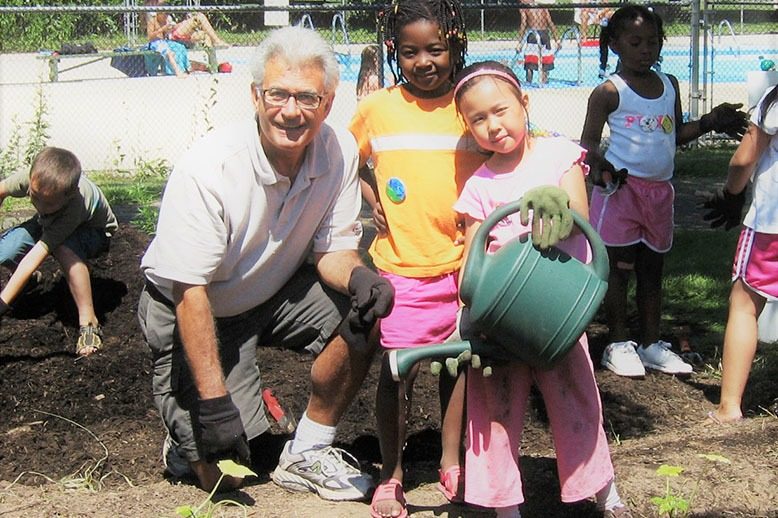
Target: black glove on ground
(726, 118)
(725, 208)
(221, 431)
(372, 297)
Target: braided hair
(446, 13)
(622, 17)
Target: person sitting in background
(74, 222)
(160, 30)
(195, 28)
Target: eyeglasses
(279, 97)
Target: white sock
(310, 435)
(608, 498)
(508, 512)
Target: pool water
(725, 65)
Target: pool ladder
(339, 32)
(724, 29)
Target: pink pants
(495, 418)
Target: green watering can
(532, 305)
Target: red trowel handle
(287, 423)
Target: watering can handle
(474, 264)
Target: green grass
(704, 163)
(696, 284)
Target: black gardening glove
(725, 208)
(221, 431)
(552, 220)
(597, 168)
(726, 118)
(4, 308)
(372, 297)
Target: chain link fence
(67, 76)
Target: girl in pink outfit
(491, 102)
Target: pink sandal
(392, 489)
(450, 484)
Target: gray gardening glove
(465, 328)
(221, 431)
(551, 213)
(453, 365)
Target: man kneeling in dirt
(229, 270)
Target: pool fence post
(694, 90)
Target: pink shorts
(640, 211)
(756, 262)
(424, 312)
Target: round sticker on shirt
(395, 190)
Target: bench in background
(133, 62)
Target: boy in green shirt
(74, 222)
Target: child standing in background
(494, 107)
(73, 223)
(634, 215)
(755, 269)
(369, 79)
(422, 157)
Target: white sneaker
(175, 463)
(621, 358)
(658, 356)
(329, 472)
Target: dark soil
(65, 420)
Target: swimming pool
(725, 65)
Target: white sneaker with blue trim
(658, 356)
(621, 358)
(331, 473)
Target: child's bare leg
(648, 292)
(202, 22)
(392, 403)
(621, 268)
(171, 58)
(80, 285)
(452, 403)
(740, 340)
(77, 274)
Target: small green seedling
(673, 503)
(207, 507)
(670, 504)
